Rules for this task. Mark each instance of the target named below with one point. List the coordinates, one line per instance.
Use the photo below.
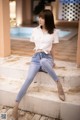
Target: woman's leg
(33, 69)
(47, 65)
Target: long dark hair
(47, 15)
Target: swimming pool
(21, 32)
(24, 33)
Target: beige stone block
(70, 111)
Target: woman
(43, 36)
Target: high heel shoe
(14, 115)
(60, 91)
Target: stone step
(16, 67)
(41, 101)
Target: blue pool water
(25, 33)
(20, 32)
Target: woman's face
(41, 21)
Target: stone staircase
(42, 94)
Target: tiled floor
(23, 115)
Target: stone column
(55, 10)
(27, 15)
(19, 12)
(5, 49)
(78, 47)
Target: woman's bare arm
(52, 51)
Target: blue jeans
(40, 62)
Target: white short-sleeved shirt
(44, 41)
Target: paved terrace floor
(23, 115)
